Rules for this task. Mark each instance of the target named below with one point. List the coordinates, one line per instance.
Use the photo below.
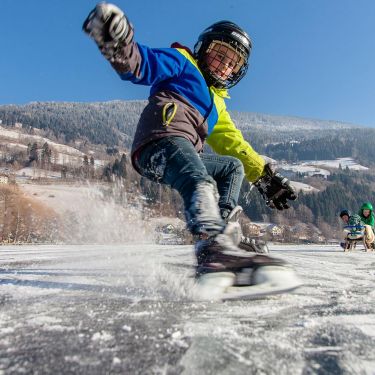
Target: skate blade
(211, 286)
(269, 280)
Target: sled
(356, 235)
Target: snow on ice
(131, 309)
(127, 306)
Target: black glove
(275, 189)
(108, 26)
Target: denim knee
(238, 167)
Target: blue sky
(311, 58)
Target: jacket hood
(345, 212)
(367, 206)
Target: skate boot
(253, 245)
(226, 272)
(232, 216)
(219, 253)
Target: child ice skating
(185, 109)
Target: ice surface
(130, 309)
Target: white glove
(108, 26)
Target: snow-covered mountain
(263, 121)
(342, 163)
(106, 122)
(13, 139)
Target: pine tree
(33, 153)
(122, 166)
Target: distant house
(320, 239)
(303, 170)
(251, 229)
(275, 230)
(4, 179)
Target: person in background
(354, 224)
(367, 215)
(345, 216)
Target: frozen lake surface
(131, 309)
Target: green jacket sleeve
(367, 220)
(226, 139)
(371, 220)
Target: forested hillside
(113, 124)
(357, 143)
(109, 127)
(344, 190)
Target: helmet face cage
(226, 44)
(220, 53)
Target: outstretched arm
(108, 26)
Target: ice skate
(234, 215)
(253, 245)
(226, 272)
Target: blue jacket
(181, 103)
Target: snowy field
(132, 309)
(336, 163)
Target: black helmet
(229, 34)
(344, 212)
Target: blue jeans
(175, 162)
